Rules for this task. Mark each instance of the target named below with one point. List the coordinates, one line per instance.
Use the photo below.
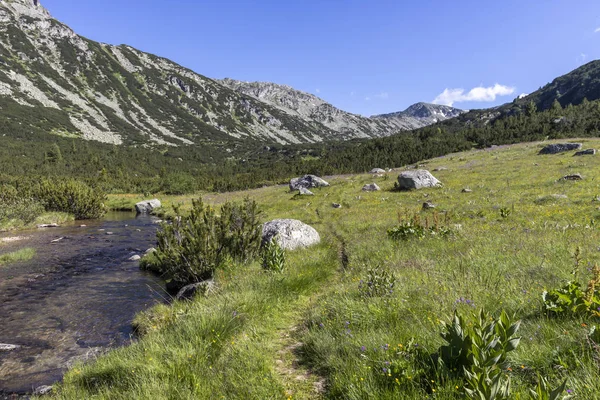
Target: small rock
(201, 288)
(377, 171)
(150, 250)
(587, 152)
(466, 190)
(9, 347)
(559, 148)
(109, 233)
(57, 240)
(147, 206)
(48, 226)
(305, 192)
(559, 196)
(82, 226)
(573, 177)
(428, 205)
(307, 181)
(372, 187)
(42, 390)
(440, 169)
(134, 258)
(336, 205)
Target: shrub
(478, 351)
(71, 196)
(418, 228)
(193, 246)
(378, 283)
(273, 256)
(571, 299)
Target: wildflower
(569, 391)
(363, 348)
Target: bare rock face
(560, 148)
(290, 234)
(307, 181)
(417, 179)
(146, 206)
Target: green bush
(571, 299)
(193, 246)
(378, 283)
(273, 257)
(15, 207)
(416, 228)
(478, 351)
(70, 196)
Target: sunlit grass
(230, 345)
(25, 254)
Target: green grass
(25, 254)
(267, 336)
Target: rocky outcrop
(556, 148)
(305, 192)
(147, 206)
(290, 234)
(417, 179)
(307, 181)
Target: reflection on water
(76, 298)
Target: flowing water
(74, 299)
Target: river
(75, 299)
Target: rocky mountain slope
(308, 106)
(117, 94)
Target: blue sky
(366, 57)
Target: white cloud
(367, 98)
(582, 57)
(451, 96)
(597, 30)
(318, 90)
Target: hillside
(308, 106)
(120, 95)
(314, 332)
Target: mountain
(308, 106)
(120, 95)
(422, 114)
(572, 88)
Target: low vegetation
(363, 315)
(25, 254)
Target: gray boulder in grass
(556, 148)
(417, 179)
(377, 171)
(307, 181)
(290, 234)
(146, 206)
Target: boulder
(573, 177)
(134, 258)
(372, 187)
(42, 390)
(377, 171)
(466, 190)
(146, 206)
(307, 181)
(305, 192)
(559, 148)
(201, 288)
(290, 233)
(416, 179)
(587, 152)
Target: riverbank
(314, 331)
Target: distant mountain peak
(431, 113)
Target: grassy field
(24, 254)
(311, 332)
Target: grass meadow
(311, 333)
